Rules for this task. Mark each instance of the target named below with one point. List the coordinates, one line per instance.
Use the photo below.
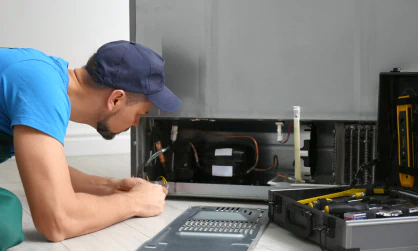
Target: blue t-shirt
(33, 92)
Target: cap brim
(165, 100)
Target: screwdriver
(359, 192)
(321, 203)
(340, 209)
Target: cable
(288, 134)
(163, 179)
(278, 174)
(233, 136)
(196, 157)
(159, 147)
(155, 155)
(361, 168)
(275, 163)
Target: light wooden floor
(130, 234)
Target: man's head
(134, 75)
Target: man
(38, 97)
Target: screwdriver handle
(345, 208)
(321, 203)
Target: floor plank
(279, 239)
(117, 237)
(9, 172)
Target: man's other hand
(126, 184)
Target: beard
(103, 128)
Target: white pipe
(296, 136)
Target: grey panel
(211, 228)
(221, 190)
(383, 234)
(234, 191)
(256, 59)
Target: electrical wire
(288, 134)
(196, 157)
(155, 155)
(275, 163)
(163, 179)
(234, 136)
(159, 147)
(277, 166)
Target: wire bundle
(155, 155)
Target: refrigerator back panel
(257, 59)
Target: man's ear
(116, 100)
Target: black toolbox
(335, 233)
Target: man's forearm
(93, 213)
(85, 183)
(83, 214)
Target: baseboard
(85, 145)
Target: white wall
(72, 30)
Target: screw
(134, 143)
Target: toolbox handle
(302, 231)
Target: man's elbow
(54, 227)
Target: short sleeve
(36, 96)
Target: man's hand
(148, 199)
(125, 185)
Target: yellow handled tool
(355, 193)
(405, 141)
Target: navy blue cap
(134, 68)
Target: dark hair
(131, 98)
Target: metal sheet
(219, 191)
(256, 59)
(383, 234)
(235, 191)
(211, 228)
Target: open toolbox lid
(393, 85)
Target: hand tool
(341, 209)
(357, 192)
(321, 203)
(405, 141)
(385, 213)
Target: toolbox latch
(330, 224)
(271, 209)
(275, 206)
(302, 230)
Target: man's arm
(91, 184)
(85, 183)
(58, 212)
